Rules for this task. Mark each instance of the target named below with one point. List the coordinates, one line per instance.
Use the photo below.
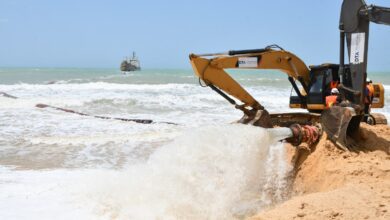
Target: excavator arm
(210, 68)
(354, 24)
(377, 14)
(355, 18)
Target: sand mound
(332, 184)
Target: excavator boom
(354, 24)
(210, 68)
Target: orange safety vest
(331, 100)
(370, 89)
(333, 84)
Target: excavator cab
(321, 79)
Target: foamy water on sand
(59, 165)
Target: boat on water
(130, 64)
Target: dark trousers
(366, 111)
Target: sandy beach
(332, 184)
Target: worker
(333, 98)
(368, 97)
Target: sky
(100, 33)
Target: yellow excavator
(311, 84)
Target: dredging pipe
(297, 134)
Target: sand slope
(332, 184)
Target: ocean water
(55, 164)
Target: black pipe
(222, 94)
(8, 95)
(236, 52)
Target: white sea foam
(213, 172)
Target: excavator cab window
(317, 82)
(322, 77)
(316, 94)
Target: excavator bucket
(341, 125)
(259, 118)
